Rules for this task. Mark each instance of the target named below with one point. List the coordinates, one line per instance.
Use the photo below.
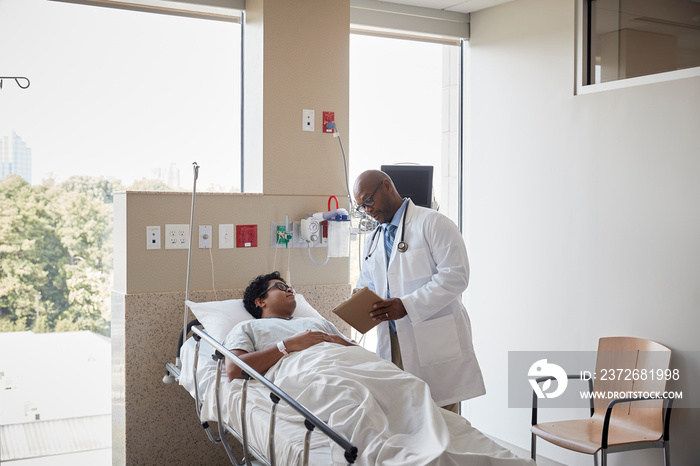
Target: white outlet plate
(153, 237)
(177, 236)
(204, 236)
(307, 120)
(226, 236)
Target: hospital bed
(250, 416)
(256, 412)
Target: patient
(274, 333)
(387, 413)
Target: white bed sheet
(386, 412)
(289, 437)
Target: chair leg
(533, 447)
(603, 457)
(595, 459)
(667, 453)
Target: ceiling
(460, 6)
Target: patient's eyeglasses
(369, 202)
(279, 285)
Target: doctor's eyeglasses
(279, 285)
(369, 202)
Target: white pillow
(219, 317)
(303, 308)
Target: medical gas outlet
(310, 229)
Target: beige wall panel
(166, 269)
(306, 50)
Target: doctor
(417, 260)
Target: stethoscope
(401, 247)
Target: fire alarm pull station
(328, 117)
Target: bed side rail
(310, 419)
(173, 369)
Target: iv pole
(195, 169)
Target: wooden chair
(618, 423)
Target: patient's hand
(342, 341)
(305, 340)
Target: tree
(100, 189)
(88, 301)
(84, 224)
(32, 257)
(56, 242)
(145, 184)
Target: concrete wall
(582, 217)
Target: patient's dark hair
(254, 291)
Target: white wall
(582, 214)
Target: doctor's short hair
(256, 290)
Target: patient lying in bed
(387, 413)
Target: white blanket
(387, 413)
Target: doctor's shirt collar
(396, 221)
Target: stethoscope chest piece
(402, 246)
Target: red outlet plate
(328, 117)
(246, 236)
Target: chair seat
(585, 435)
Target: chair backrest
(626, 366)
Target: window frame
(582, 69)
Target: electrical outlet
(177, 236)
(226, 236)
(204, 236)
(153, 237)
(246, 236)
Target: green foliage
(145, 184)
(55, 245)
(31, 254)
(7, 324)
(99, 189)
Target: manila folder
(355, 311)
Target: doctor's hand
(389, 309)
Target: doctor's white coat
(430, 277)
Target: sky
(118, 93)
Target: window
(113, 99)
(404, 108)
(628, 38)
(110, 98)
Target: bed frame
(276, 395)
